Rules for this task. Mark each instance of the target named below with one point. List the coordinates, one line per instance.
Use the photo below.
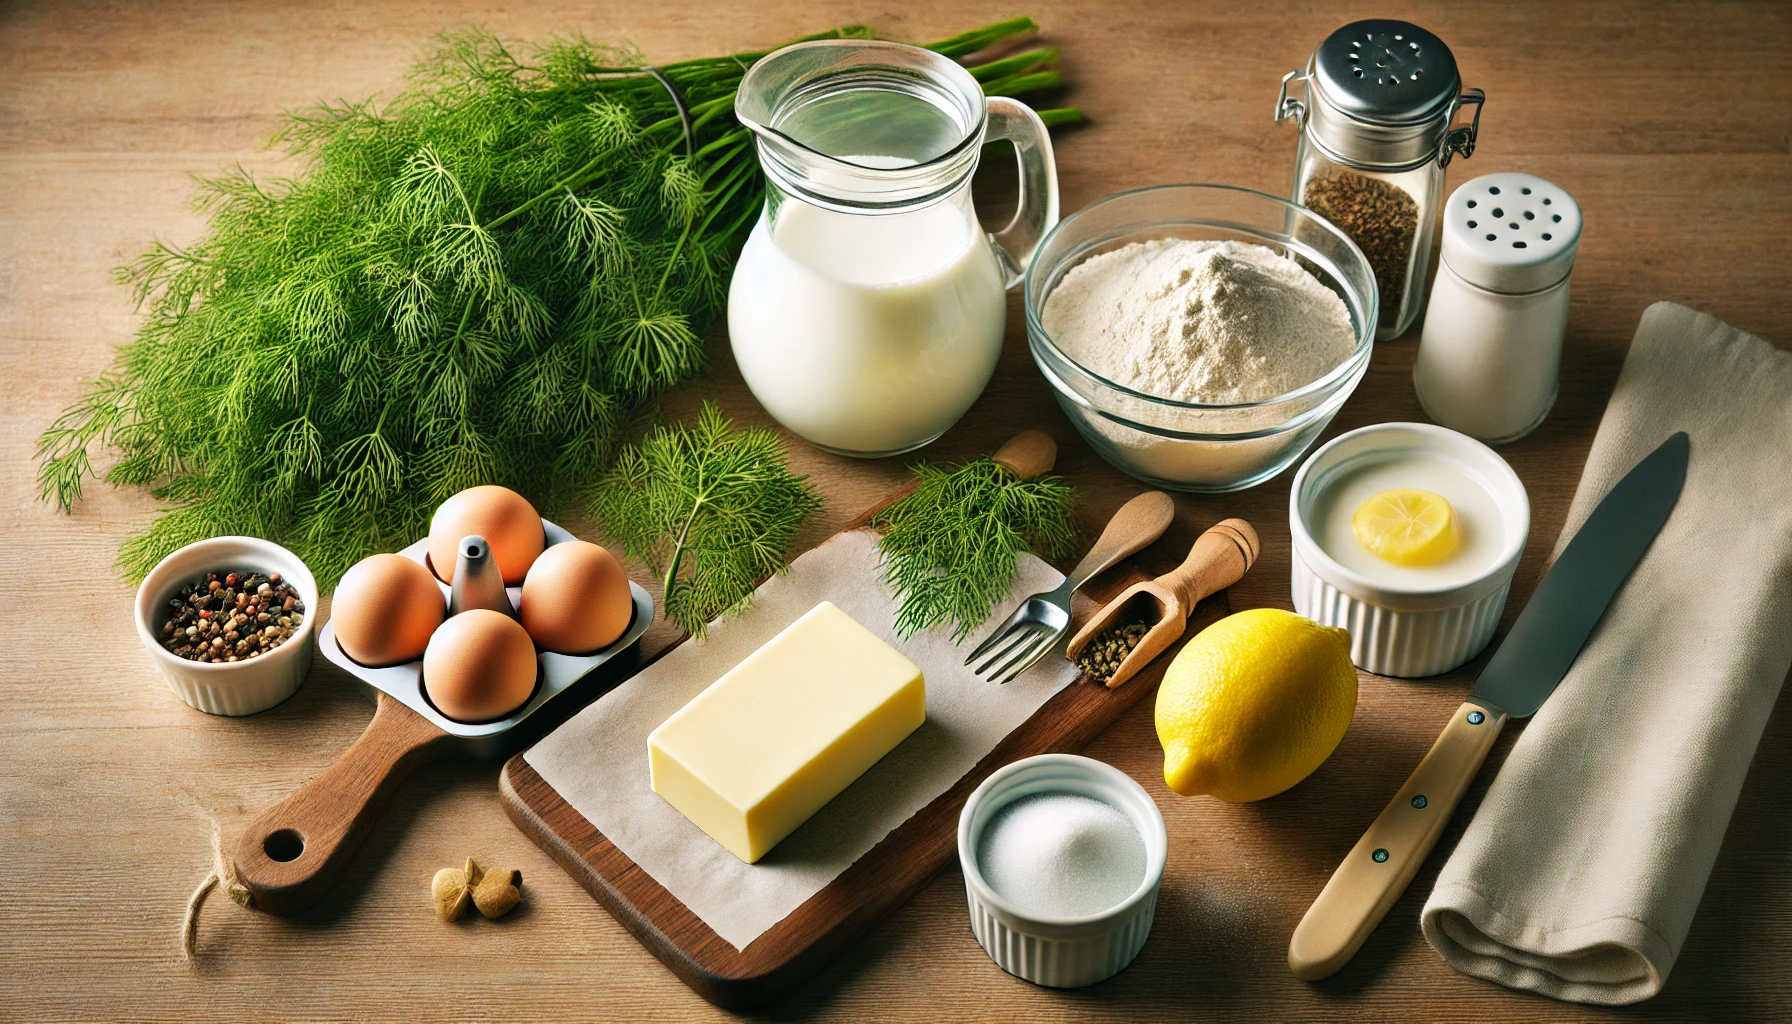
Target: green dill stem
(1016, 64)
(684, 533)
(1022, 83)
(978, 39)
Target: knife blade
(1536, 655)
(1572, 596)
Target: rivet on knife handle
(1378, 869)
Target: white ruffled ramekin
(1401, 631)
(1062, 952)
(238, 687)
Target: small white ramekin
(239, 687)
(1404, 631)
(1062, 952)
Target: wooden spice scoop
(1218, 559)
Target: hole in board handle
(284, 845)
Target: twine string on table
(222, 874)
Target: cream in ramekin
(1407, 621)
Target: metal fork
(1043, 619)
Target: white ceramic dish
(1061, 952)
(1405, 629)
(234, 688)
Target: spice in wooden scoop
(1102, 658)
(494, 894)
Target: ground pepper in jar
(1380, 217)
(1102, 657)
(232, 616)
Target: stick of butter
(780, 734)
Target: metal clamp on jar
(1377, 129)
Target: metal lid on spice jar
(1511, 232)
(1386, 72)
(1383, 94)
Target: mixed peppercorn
(232, 616)
(1102, 657)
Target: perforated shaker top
(1387, 72)
(1511, 232)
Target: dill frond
(711, 509)
(951, 546)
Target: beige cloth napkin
(1580, 874)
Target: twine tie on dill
(222, 873)
(684, 115)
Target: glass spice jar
(1377, 128)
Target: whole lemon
(1254, 704)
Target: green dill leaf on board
(712, 510)
(950, 547)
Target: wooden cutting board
(795, 948)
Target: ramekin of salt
(1062, 858)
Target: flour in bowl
(1219, 323)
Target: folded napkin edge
(1474, 910)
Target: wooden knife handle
(294, 852)
(1218, 559)
(1134, 527)
(1382, 863)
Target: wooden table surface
(1669, 122)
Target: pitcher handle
(1038, 211)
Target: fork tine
(1010, 641)
(1020, 653)
(1046, 642)
(995, 634)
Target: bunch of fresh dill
(483, 280)
(950, 546)
(711, 509)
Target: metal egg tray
(566, 681)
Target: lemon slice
(1408, 527)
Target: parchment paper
(597, 761)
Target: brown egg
(479, 666)
(384, 610)
(576, 599)
(503, 517)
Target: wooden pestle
(1219, 557)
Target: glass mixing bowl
(1188, 446)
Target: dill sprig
(712, 510)
(483, 280)
(950, 547)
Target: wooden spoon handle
(1029, 453)
(1136, 526)
(294, 852)
(1382, 863)
(1220, 556)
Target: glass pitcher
(868, 306)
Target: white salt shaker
(1492, 345)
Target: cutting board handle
(296, 850)
(1382, 863)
